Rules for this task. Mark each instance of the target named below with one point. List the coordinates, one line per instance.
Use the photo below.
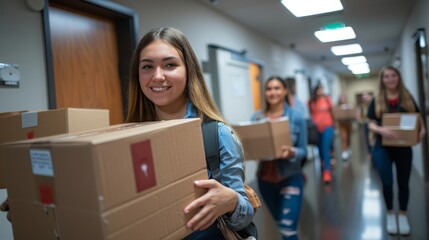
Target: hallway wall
(418, 19)
(353, 87)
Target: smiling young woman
(392, 97)
(167, 83)
(281, 180)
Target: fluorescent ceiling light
(353, 60)
(359, 68)
(302, 8)
(346, 49)
(361, 71)
(338, 34)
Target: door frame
(126, 23)
(421, 71)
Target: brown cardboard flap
(22, 125)
(406, 125)
(345, 112)
(262, 140)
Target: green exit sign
(364, 75)
(334, 25)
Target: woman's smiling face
(390, 79)
(162, 74)
(275, 92)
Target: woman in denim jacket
(167, 83)
(280, 180)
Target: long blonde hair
(140, 108)
(405, 98)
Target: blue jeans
(325, 143)
(383, 158)
(284, 200)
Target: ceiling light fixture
(359, 68)
(360, 71)
(303, 8)
(346, 49)
(336, 34)
(353, 60)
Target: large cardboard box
(407, 127)
(345, 112)
(129, 181)
(262, 140)
(17, 126)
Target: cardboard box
(262, 140)
(129, 181)
(17, 126)
(345, 112)
(406, 125)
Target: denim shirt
(231, 175)
(298, 130)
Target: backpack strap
(211, 147)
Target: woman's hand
(218, 201)
(288, 151)
(388, 133)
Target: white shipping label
(41, 162)
(408, 122)
(29, 119)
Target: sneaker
(404, 226)
(326, 176)
(392, 227)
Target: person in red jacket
(320, 107)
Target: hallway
(352, 206)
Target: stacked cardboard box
(345, 112)
(16, 126)
(263, 139)
(406, 125)
(129, 181)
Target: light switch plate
(9, 75)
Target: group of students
(166, 82)
(392, 97)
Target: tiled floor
(352, 207)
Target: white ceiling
(378, 25)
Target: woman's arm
(232, 176)
(228, 198)
(373, 124)
(384, 132)
(299, 150)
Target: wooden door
(255, 82)
(85, 61)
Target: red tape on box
(46, 194)
(144, 169)
(30, 135)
